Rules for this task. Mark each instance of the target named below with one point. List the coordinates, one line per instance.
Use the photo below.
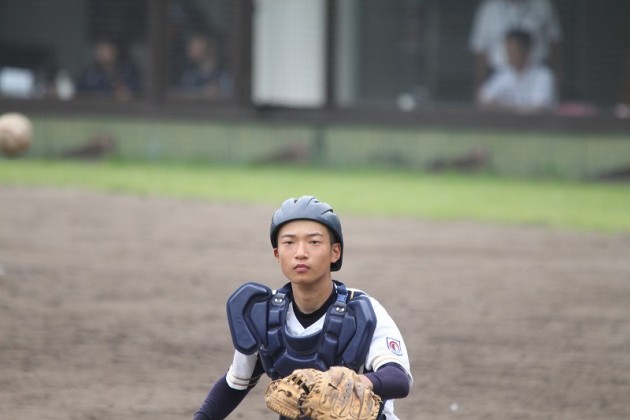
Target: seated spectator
(522, 85)
(203, 73)
(495, 18)
(109, 73)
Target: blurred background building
(407, 62)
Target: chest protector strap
(257, 319)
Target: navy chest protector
(257, 318)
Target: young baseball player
(311, 322)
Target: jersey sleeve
(542, 94)
(495, 88)
(387, 345)
(221, 401)
(243, 373)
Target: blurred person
(203, 73)
(523, 85)
(110, 73)
(184, 17)
(495, 18)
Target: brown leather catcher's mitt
(337, 394)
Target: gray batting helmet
(307, 208)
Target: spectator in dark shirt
(203, 73)
(109, 74)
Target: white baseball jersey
(532, 88)
(387, 346)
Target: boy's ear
(276, 254)
(336, 252)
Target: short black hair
(522, 37)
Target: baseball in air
(16, 134)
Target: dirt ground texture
(113, 307)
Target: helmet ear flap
(308, 208)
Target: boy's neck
(310, 298)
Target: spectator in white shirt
(495, 18)
(523, 85)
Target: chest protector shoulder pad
(257, 319)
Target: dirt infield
(112, 307)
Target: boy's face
(199, 48)
(305, 252)
(517, 54)
(106, 53)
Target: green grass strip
(560, 204)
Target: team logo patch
(394, 346)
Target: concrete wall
(340, 146)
